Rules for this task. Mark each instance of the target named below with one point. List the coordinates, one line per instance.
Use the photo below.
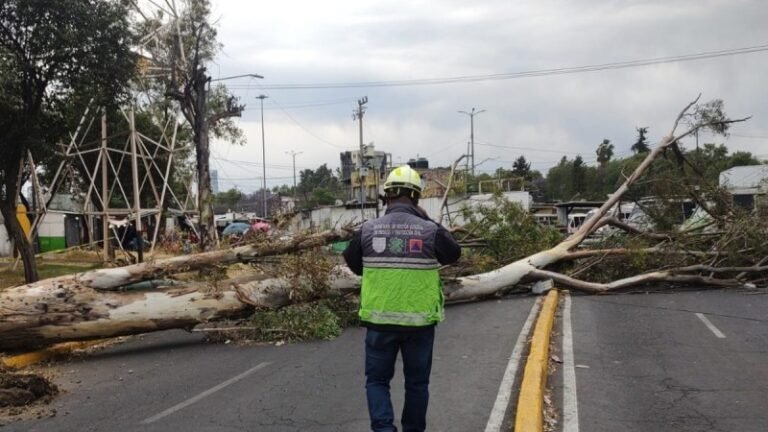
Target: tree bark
(203, 155)
(12, 225)
(102, 303)
(20, 241)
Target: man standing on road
(401, 300)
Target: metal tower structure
(96, 169)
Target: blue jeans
(381, 348)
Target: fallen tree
(109, 302)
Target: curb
(20, 361)
(530, 404)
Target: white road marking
(570, 397)
(505, 389)
(710, 326)
(204, 394)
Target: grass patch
(9, 277)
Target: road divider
(530, 404)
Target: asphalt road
(173, 381)
(690, 361)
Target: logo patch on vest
(415, 246)
(396, 245)
(379, 244)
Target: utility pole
(471, 115)
(359, 115)
(293, 155)
(263, 159)
(104, 188)
(466, 171)
(136, 191)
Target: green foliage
(181, 47)
(572, 179)
(521, 168)
(298, 322)
(52, 60)
(319, 187)
(604, 152)
(711, 116)
(228, 199)
(508, 230)
(318, 320)
(610, 268)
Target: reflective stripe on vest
(403, 318)
(401, 262)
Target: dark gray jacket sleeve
(353, 254)
(447, 248)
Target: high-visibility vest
(401, 283)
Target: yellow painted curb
(27, 359)
(530, 404)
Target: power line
(257, 164)
(523, 74)
(529, 149)
(304, 128)
(749, 136)
(305, 104)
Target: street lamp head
(262, 97)
(251, 75)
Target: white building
(745, 183)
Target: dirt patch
(23, 389)
(24, 396)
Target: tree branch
(660, 276)
(444, 203)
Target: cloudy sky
(542, 118)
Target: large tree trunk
(104, 302)
(203, 155)
(8, 209)
(20, 241)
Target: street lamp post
(263, 159)
(471, 115)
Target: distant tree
(319, 186)
(521, 168)
(604, 153)
(228, 199)
(712, 159)
(559, 184)
(641, 145)
(283, 190)
(579, 175)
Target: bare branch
(660, 276)
(682, 114)
(444, 203)
(612, 221)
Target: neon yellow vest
(401, 283)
